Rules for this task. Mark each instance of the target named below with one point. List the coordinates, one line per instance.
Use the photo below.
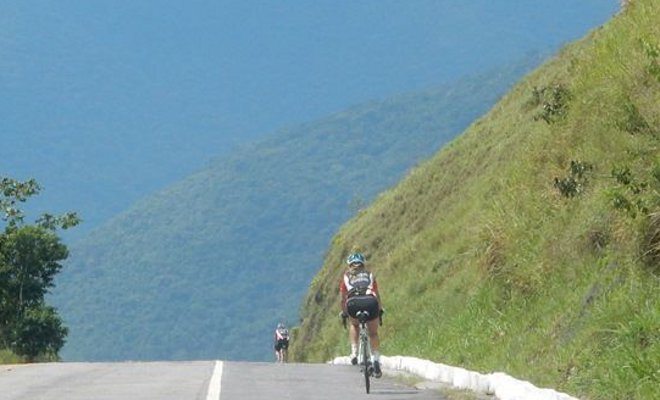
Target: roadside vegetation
(531, 243)
(30, 257)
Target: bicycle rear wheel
(367, 369)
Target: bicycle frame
(364, 346)
(364, 349)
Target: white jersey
(361, 282)
(282, 334)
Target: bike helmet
(280, 326)
(355, 258)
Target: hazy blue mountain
(106, 101)
(207, 267)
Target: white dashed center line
(214, 385)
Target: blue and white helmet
(355, 258)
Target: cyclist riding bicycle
(281, 342)
(359, 291)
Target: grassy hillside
(206, 268)
(531, 243)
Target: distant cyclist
(281, 342)
(359, 291)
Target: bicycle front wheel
(367, 369)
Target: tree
(30, 257)
(39, 331)
(13, 192)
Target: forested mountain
(530, 244)
(207, 267)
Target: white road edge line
(214, 385)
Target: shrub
(652, 52)
(553, 100)
(632, 122)
(573, 184)
(629, 196)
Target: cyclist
(359, 291)
(281, 342)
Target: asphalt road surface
(196, 380)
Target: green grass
(484, 263)
(7, 357)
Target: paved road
(253, 381)
(190, 380)
(106, 381)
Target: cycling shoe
(377, 372)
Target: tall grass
(7, 357)
(529, 244)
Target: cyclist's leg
(372, 328)
(285, 351)
(353, 336)
(278, 353)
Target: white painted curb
(499, 384)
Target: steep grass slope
(531, 243)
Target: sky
(104, 102)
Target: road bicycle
(364, 347)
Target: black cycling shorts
(362, 303)
(282, 344)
